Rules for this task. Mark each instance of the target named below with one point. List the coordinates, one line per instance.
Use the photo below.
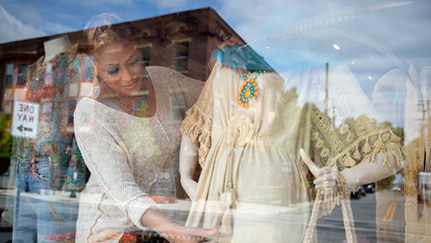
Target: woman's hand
(326, 177)
(179, 234)
(173, 232)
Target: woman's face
(120, 66)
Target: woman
(129, 135)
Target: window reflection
(346, 81)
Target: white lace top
(125, 153)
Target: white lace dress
(250, 185)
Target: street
(389, 226)
(5, 229)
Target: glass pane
(9, 80)
(146, 55)
(9, 68)
(272, 121)
(180, 64)
(181, 49)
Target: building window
(222, 35)
(145, 51)
(181, 55)
(19, 73)
(14, 73)
(9, 74)
(178, 106)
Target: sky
(396, 29)
(372, 37)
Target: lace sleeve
(354, 140)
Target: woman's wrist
(169, 230)
(154, 219)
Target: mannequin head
(56, 46)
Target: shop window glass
(347, 81)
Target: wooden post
(418, 211)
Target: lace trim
(198, 122)
(352, 142)
(194, 127)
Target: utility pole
(327, 89)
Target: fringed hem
(193, 127)
(382, 142)
(193, 124)
(330, 201)
(324, 205)
(203, 152)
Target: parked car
(398, 182)
(370, 188)
(360, 193)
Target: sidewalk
(5, 229)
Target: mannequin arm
(188, 161)
(365, 172)
(362, 173)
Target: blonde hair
(104, 28)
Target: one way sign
(25, 119)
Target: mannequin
(263, 163)
(56, 46)
(50, 164)
(361, 174)
(243, 172)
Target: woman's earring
(96, 89)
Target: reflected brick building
(182, 41)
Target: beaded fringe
(392, 145)
(324, 205)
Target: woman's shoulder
(159, 74)
(160, 70)
(89, 109)
(85, 104)
(83, 110)
(165, 75)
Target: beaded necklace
(139, 105)
(142, 101)
(249, 89)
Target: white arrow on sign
(25, 119)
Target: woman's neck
(56, 46)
